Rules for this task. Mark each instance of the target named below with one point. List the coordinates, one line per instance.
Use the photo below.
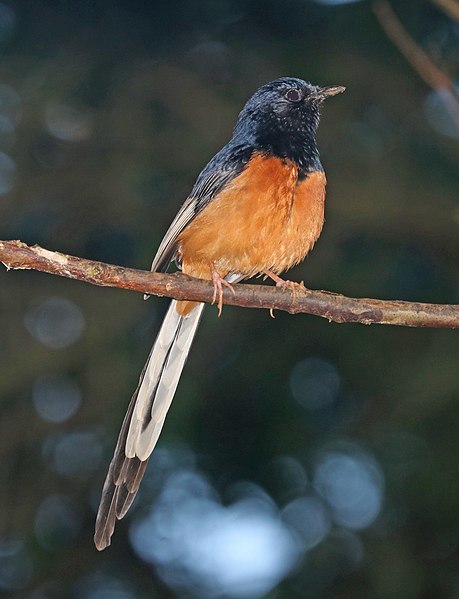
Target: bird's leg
(283, 284)
(218, 282)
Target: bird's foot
(284, 285)
(218, 282)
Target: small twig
(333, 307)
(419, 60)
(450, 7)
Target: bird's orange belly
(265, 219)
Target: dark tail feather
(144, 419)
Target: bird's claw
(218, 282)
(284, 285)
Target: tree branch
(333, 307)
(451, 7)
(419, 60)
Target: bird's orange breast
(265, 219)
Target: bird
(257, 208)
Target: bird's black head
(282, 117)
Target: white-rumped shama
(256, 208)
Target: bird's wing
(220, 171)
(151, 401)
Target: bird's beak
(322, 93)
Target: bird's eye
(293, 95)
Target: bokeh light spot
(243, 550)
(68, 123)
(56, 398)
(315, 383)
(309, 518)
(6, 126)
(16, 566)
(56, 322)
(290, 476)
(438, 107)
(351, 482)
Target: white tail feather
(160, 380)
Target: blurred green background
(300, 458)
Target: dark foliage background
(300, 458)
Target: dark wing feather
(124, 475)
(220, 171)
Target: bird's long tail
(145, 418)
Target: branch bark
(334, 307)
